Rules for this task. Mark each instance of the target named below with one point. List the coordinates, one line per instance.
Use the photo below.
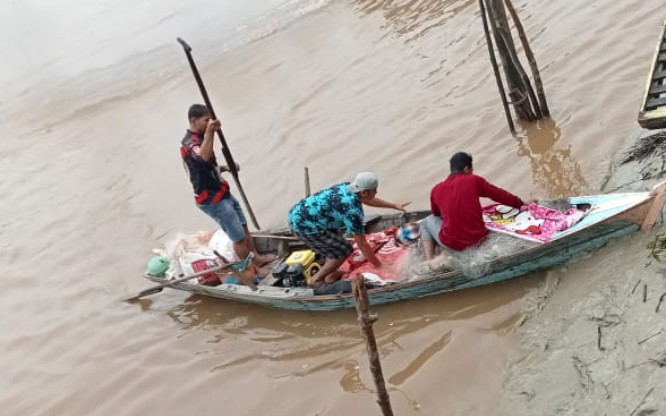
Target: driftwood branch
(648, 338)
(661, 299)
(642, 402)
(366, 319)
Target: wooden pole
(366, 319)
(307, 181)
(530, 58)
(519, 87)
(493, 61)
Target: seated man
(457, 221)
(317, 221)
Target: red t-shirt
(456, 200)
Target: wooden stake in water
(307, 181)
(493, 61)
(543, 104)
(366, 320)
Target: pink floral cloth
(533, 221)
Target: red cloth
(456, 200)
(387, 251)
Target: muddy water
(92, 104)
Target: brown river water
(93, 97)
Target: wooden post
(366, 319)
(307, 181)
(493, 61)
(530, 58)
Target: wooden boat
(608, 217)
(652, 114)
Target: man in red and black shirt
(457, 221)
(211, 191)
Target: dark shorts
(330, 244)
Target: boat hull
(528, 263)
(610, 225)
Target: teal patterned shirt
(329, 209)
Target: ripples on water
(91, 181)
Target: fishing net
(474, 262)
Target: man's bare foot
(264, 271)
(315, 283)
(438, 263)
(264, 259)
(334, 277)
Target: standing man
(211, 191)
(318, 219)
(457, 220)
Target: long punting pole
(530, 58)
(231, 164)
(366, 319)
(498, 78)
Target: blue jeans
(229, 215)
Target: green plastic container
(158, 265)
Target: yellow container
(304, 257)
(312, 269)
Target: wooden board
(652, 114)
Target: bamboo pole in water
(493, 61)
(530, 58)
(366, 320)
